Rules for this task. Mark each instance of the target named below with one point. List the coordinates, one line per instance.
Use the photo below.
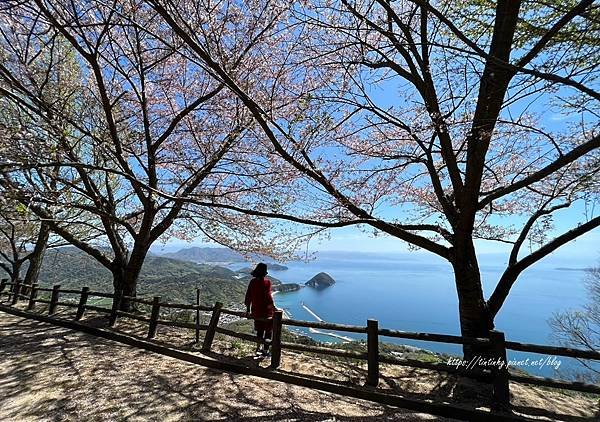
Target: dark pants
(264, 335)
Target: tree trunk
(118, 273)
(125, 278)
(129, 289)
(475, 319)
(16, 271)
(125, 284)
(37, 256)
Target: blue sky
(585, 251)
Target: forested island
(321, 281)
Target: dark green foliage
(197, 254)
(320, 281)
(174, 280)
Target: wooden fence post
(198, 316)
(276, 339)
(154, 317)
(3, 284)
(115, 308)
(82, 302)
(11, 290)
(26, 288)
(32, 296)
(53, 299)
(500, 388)
(372, 352)
(212, 327)
(16, 291)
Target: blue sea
(416, 292)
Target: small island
(320, 281)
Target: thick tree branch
(539, 175)
(504, 64)
(317, 223)
(514, 253)
(263, 120)
(492, 89)
(576, 10)
(510, 275)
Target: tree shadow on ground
(52, 373)
(72, 373)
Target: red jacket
(259, 298)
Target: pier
(325, 333)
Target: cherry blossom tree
(438, 123)
(17, 234)
(24, 240)
(116, 128)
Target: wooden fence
(495, 343)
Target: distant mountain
(173, 280)
(320, 281)
(198, 254)
(220, 256)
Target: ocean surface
(416, 292)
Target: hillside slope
(206, 255)
(172, 279)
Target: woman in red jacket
(260, 306)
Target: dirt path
(51, 373)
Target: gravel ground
(54, 374)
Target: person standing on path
(260, 306)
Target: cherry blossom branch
(514, 253)
(511, 274)
(542, 173)
(56, 228)
(311, 171)
(504, 64)
(107, 106)
(318, 223)
(576, 10)
(426, 87)
(200, 175)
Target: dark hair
(260, 270)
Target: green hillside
(174, 280)
(206, 255)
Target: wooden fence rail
(476, 373)
(497, 375)
(439, 338)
